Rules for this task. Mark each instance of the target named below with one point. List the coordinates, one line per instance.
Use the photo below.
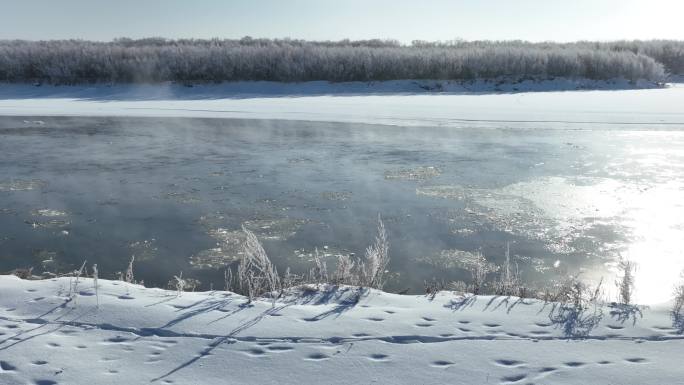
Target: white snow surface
(336, 335)
(546, 104)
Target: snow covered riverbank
(588, 105)
(333, 336)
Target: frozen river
(175, 192)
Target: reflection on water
(176, 193)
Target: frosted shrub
(509, 279)
(256, 274)
(679, 299)
(291, 280)
(345, 272)
(179, 282)
(678, 308)
(433, 287)
(478, 268)
(319, 273)
(376, 260)
(576, 309)
(228, 279)
(97, 294)
(73, 283)
(625, 281)
(129, 271)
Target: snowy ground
(400, 103)
(343, 336)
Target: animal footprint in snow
(378, 357)
(255, 352)
(540, 332)
(513, 378)
(547, 369)
(279, 348)
(317, 357)
(491, 325)
(117, 339)
(574, 364)
(509, 363)
(441, 364)
(6, 367)
(423, 325)
(376, 319)
(615, 327)
(635, 360)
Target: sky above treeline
(403, 20)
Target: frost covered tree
(215, 60)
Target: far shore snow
(558, 103)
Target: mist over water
(176, 192)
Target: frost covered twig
(625, 282)
(97, 294)
(256, 274)
(377, 258)
(179, 283)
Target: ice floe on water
(215, 258)
(144, 250)
(336, 195)
(275, 228)
(49, 213)
(562, 198)
(452, 258)
(48, 259)
(182, 197)
(229, 241)
(299, 160)
(213, 220)
(417, 173)
(324, 252)
(48, 218)
(49, 224)
(446, 192)
(560, 212)
(228, 250)
(22, 184)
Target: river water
(175, 192)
